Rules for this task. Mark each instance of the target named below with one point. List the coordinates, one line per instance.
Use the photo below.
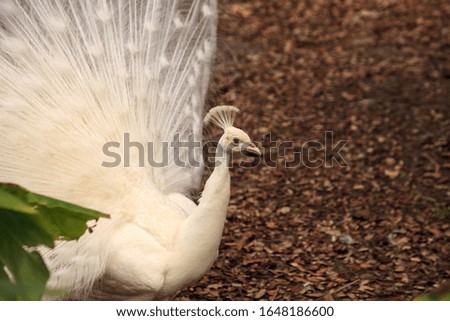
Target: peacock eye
(235, 141)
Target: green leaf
(445, 296)
(28, 220)
(23, 229)
(58, 218)
(9, 201)
(26, 267)
(17, 291)
(3, 275)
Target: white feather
(77, 74)
(221, 116)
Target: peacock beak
(252, 149)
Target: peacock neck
(222, 157)
(199, 237)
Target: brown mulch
(375, 73)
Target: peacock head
(233, 139)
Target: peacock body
(78, 74)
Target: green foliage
(440, 294)
(28, 220)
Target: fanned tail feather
(77, 74)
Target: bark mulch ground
(376, 74)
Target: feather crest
(222, 116)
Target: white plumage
(77, 74)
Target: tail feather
(77, 74)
